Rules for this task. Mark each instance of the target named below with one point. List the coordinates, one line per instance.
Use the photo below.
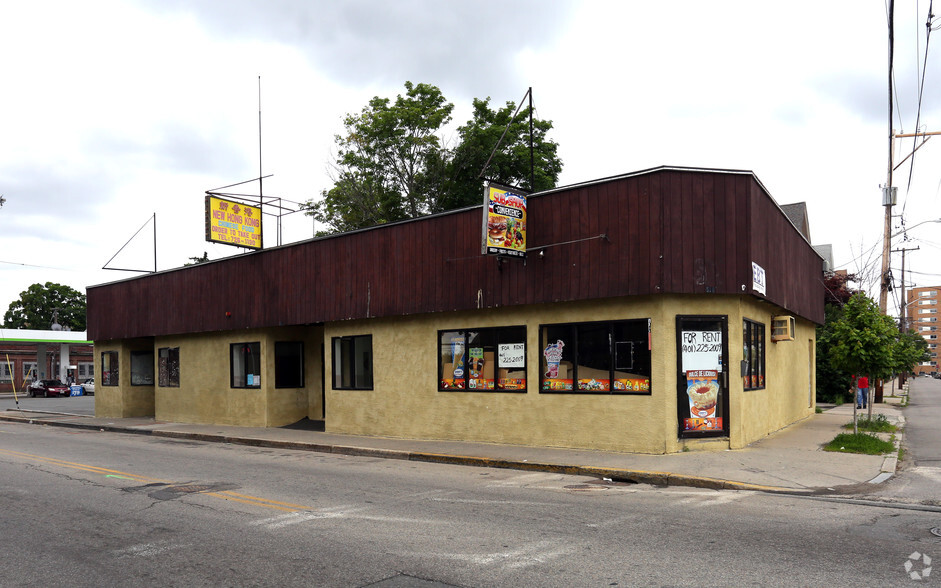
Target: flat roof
(37, 336)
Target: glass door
(702, 376)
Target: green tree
(865, 341)
(383, 160)
(509, 164)
(391, 164)
(198, 260)
(911, 349)
(832, 384)
(41, 303)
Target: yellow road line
(225, 495)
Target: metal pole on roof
(532, 166)
(260, 191)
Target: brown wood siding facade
(668, 230)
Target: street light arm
(934, 220)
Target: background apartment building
(923, 311)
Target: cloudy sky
(116, 111)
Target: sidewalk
(788, 461)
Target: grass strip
(859, 443)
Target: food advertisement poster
(233, 223)
(702, 389)
(504, 221)
(556, 376)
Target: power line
(921, 93)
(65, 269)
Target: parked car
(48, 388)
(88, 387)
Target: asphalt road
(918, 480)
(88, 508)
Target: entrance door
(702, 382)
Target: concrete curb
(613, 474)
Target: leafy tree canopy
(198, 260)
(41, 303)
(391, 164)
(865, 341)
(837, 290)
(912, 350)
(832, 383)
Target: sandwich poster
(504, 221)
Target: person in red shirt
(862, 391)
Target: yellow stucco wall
(123, 400)
(205, 395)
(790, 383)
(405, 401)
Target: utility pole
(888, 192)
(903, 310)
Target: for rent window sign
(233, 223)
(504, 221)
(702, 350)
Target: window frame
(88, 367)
(30, 370)
(646, 380)
(754, 375)
(244, 365)
(164, 376)
(135, 365)
(493, 333)
(348, 342)
(110, 377)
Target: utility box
(889, 195)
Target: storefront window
(245, 366)
(5, 374)
(288, 364)
(602, 357)
(352, 363)
(482, 360)
(168, 367)
(142, 368)
(753, 352)
(109, 368)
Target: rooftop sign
(233, 223)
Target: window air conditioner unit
(783, 328)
